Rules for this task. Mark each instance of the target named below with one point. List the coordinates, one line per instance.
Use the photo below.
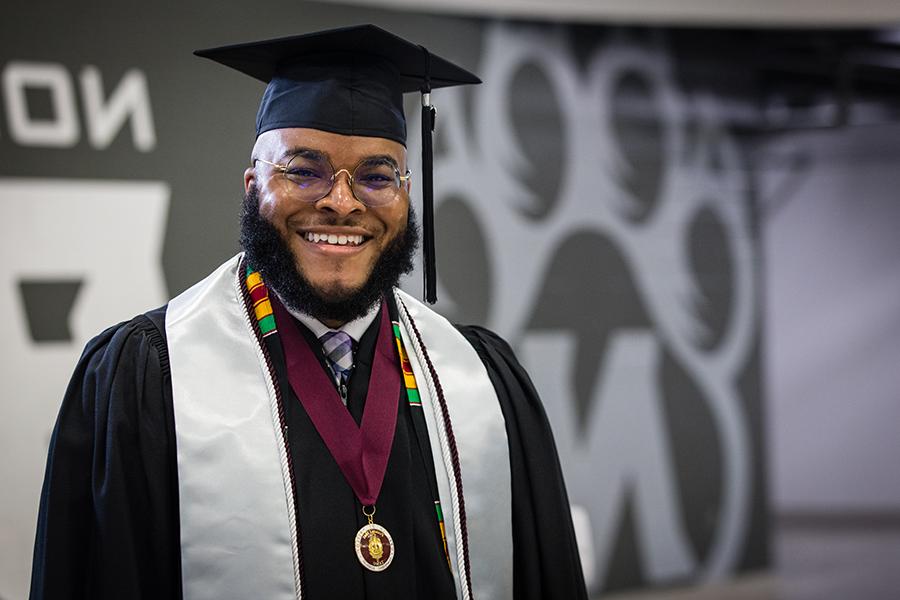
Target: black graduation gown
(108, 525)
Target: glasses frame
(404, 179)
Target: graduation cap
(349, 81)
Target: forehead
(341, 150)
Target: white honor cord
(445, 450)
(279, 436)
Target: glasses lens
(311, 175)
(376, 182)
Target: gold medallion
(374, 545)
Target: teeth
(339, 240)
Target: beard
(269, 253)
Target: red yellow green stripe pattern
(409, 380)
(262, 307)
(412, 394)
(440, 517)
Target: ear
(249, 178)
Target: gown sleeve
(108, 518)
(546, 564)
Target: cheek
(396, 219)
(268, 207)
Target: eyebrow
(303, 151)
(313, 154)
(382, 158)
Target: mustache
(327, 220)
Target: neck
(318, 324)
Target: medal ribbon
(360, 452)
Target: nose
(340, 199)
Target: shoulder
(429, 321)
(483, 339)
(514, 387)
(509, 378)
(120, 367)
(142, 334)
(496, 354)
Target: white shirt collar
(355, 328)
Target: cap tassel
(428, 119)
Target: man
(294, 426)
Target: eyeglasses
(374, 181)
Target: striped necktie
(338, 349)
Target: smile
(333, 239)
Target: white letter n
(104, 120)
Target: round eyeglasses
(374, 181)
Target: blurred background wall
(687, 234)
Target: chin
(335, 294)
(332, 290)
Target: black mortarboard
(349, 81)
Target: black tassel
(428, 120)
